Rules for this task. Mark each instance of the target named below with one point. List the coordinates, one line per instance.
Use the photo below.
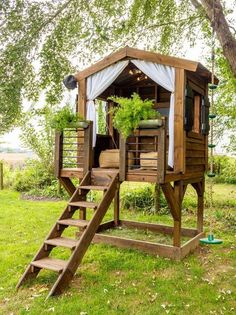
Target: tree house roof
(133, 53)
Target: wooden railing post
(123, 159)
(88, 148)
(161, 165)
(58, 153)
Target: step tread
(85, 204)
(94, 187)
(74, 222)
(62, 241)
(49, 263)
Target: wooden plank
(195, 169)
(179, 132)
(50, 263)
(162, 59)
(161, 162)
(68, 185)
(71, 172)
(106, 226)
(105, 62)
(62, 242)
(84, 204)
(195, 146)
(179, 194)
(82, 99)
(73, 222)
(58, 153)
(123, 159)
(191, 154)
(195, 135)
(170, 177)
(195, 161)
(159, 228)
(148, 247)
(191, 245)
(137, 54)
(88, 150)
(172, 202)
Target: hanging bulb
(138, 78)
(145, 77)
(131, 72)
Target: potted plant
(65, 118)
(132, 113)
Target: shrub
(225, 169)
(143, 199)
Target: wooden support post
(179, 132)
(58, 153)
(82, 99)
(117, 206)
(123, 159)
(174, 200)
(88, 151)
(1, 175)
(157, 197)
(200, 187)
(178, 192)
(161, 164)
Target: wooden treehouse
(179, 157)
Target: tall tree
(42, 41)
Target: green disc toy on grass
(210, 240)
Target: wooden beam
(158, 228)
(58, 153)
(148, 247)
(133, 53)
(190, 246)
(172, 202)
(162, 59)
(68, 185)
(105, 62)
(179, 132)
(82, 99)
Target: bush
(225, 169)
(143, 199)
(35, 180)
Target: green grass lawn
(119, 281)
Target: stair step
(84, 204)
(94, 187)
(50, 263)
(74, 222)
(62, 242)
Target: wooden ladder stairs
(67, 269)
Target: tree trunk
(222, 30)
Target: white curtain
(98, 83)
(165, 77)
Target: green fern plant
(63, 118)
(130, 111)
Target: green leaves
(130, 111)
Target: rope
(212, 120)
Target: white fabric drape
(165, 77)
(98, 83)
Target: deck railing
(145, 149)
(73, 149)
